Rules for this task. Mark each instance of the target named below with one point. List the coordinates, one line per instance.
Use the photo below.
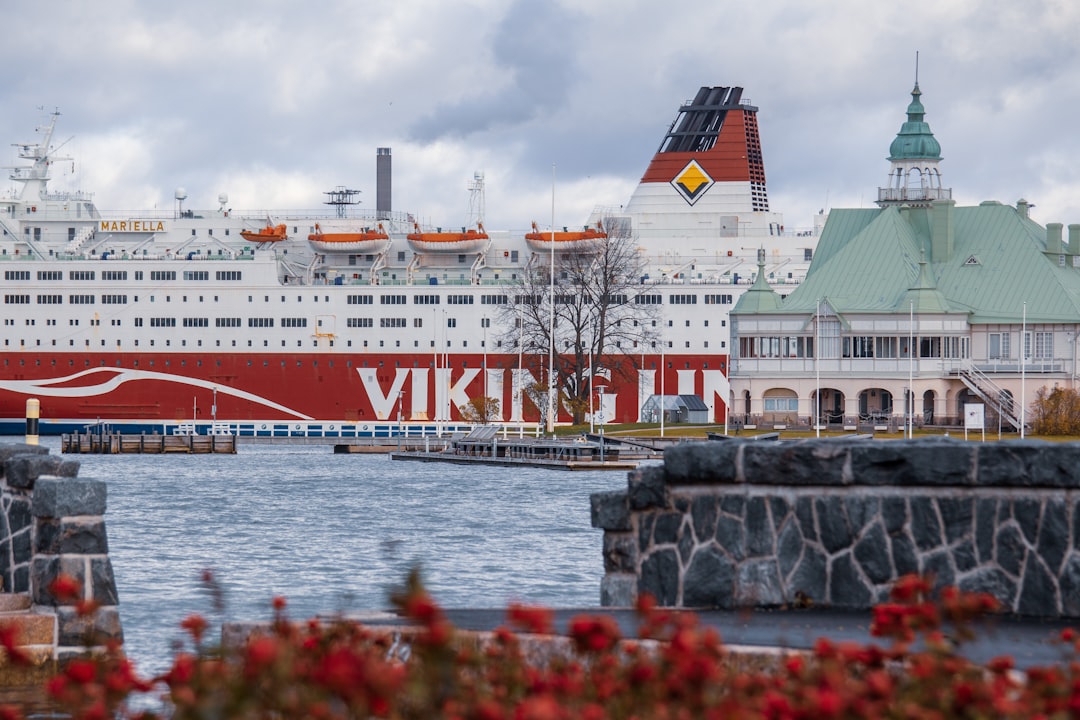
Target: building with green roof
(954, 306)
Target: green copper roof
(871, 261)
(915, 141)
(760, 297)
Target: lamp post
(400, 402)
(663, 398)
(484, 323)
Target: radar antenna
(341, 198)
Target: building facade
(913, 311)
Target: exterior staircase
(36, 636)
(1000, 400)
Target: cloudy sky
(275, 101)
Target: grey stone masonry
(53, 523)
(835, 522)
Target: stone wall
(834, 522)
(52, 523)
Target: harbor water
(335, 533)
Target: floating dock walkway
(483, 447)
(143, 444)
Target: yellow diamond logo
(692, 182)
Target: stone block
(731, 536)
(103, 582)
(86, 631)
(58, 497)
(10, 450)
(620, 552)
(618, 590)
(803, 462)
(1053, 540)
(957, 516)
(646, 488)
(1038, 591)
(703, 517)
(913, 462)
(666, 528)
(71, 536)
(706, 463)
(660, 577)
(872, 555)
(22, 471)
(833, 523)
(758, 584)
(609, 510)
(847, 589)
(760, 540)
(710, 580)
(31, 629)
(789, 547)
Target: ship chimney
(382, 183)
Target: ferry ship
(347, 321)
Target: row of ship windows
(295, 322)
(121, 299)
(315, 363)
(155, 275)
(635, 345)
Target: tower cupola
(914, 176)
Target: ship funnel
(383, 183)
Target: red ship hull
(341, 387)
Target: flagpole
(1023, 365)
(911, 369)
(551, 317)
(817, 370)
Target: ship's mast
(476, 200)
(35, 178)
(341, 198)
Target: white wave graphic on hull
(119, 377)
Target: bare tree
(599, 319)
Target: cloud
(277, 101)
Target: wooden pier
(484, 447)
(143, 444)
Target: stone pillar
(69, 539)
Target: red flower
(594, 633)
(536, 620)
(541, 707)
(182, 671)
(65, 587)
(261, 651)
(81, 671)
(195, 625)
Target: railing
(991, 393)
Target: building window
(1000, 346)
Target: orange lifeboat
(466, 241)
(586, 240)
(270, 233)
(363, 241)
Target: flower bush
(674, 668)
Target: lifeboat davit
(363, 241)
(270, 233)
(587, 240)
(466, 241)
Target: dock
(146, 444)
(483, 446)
